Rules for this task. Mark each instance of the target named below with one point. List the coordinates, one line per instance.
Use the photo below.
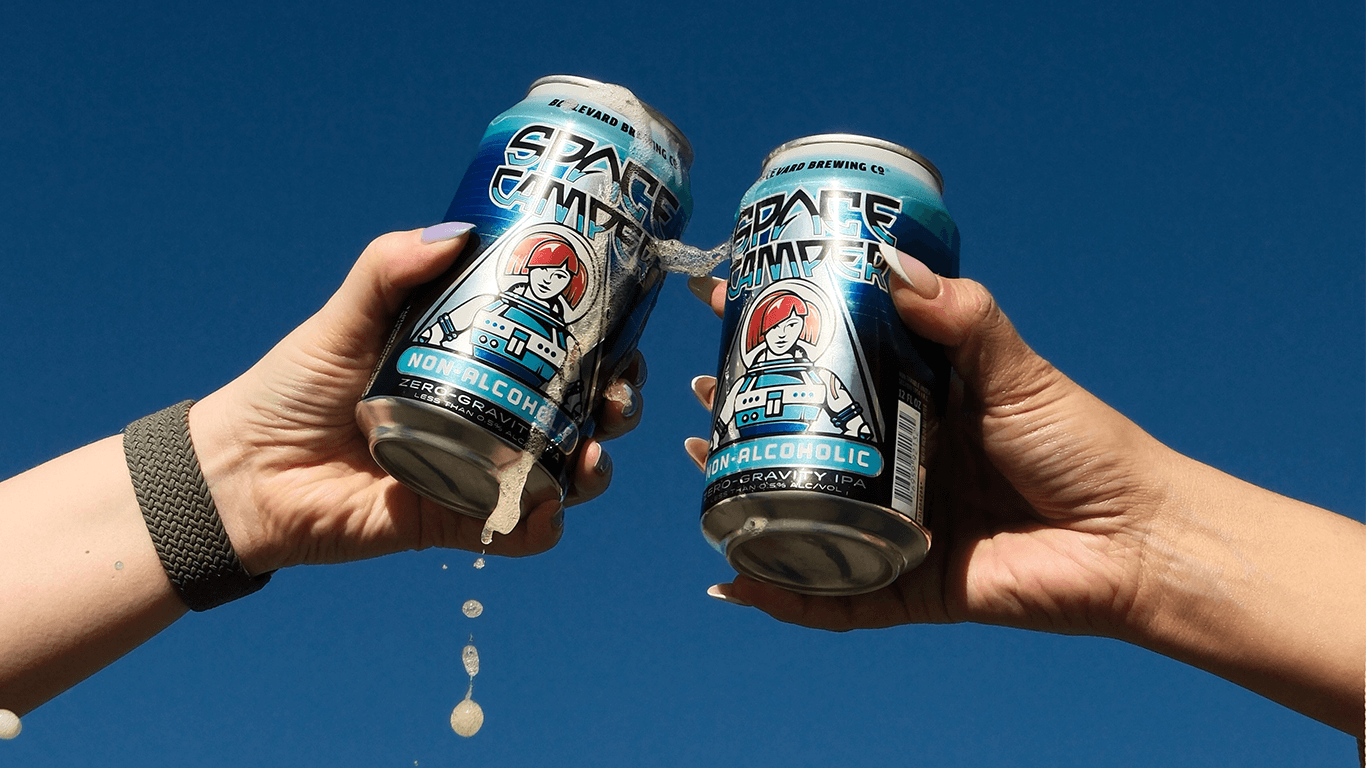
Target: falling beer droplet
(478, 563)
(471, 658)
(472, 608)
(467, 717)
(10, 725)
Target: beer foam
(625, 103)
(689, 260)
(510, 485)
(10, 725)
(470, 657)
(467, 717)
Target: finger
(423, 523)
(635, 371)
(883, 608)
(697, 449)
(592, 474)
(365, 306)
(710, 291)
(621, 409)
(983, 345)
(539, 530)
(704, 389)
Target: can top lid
(684, 146)
(867, 141)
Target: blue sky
(1167, 198)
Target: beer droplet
(478, 563)
(467, 718)
(10, 725)
(472, 608)
(471, 658)
(118, 566)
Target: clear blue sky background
(1167, 197)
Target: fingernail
(642, 371)
(696, 448)
(915, 274)
(603, 466)
(702, 288)
(702, 388)
(446, 230)
(557, 520)
(631, 403)
(717, 592)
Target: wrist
(227, 465)
(1259, 589)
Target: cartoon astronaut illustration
(782, 390)
(524, 329)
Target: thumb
(981, 343)
(365, 306)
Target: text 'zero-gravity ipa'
(826, 406)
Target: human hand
(1042, 492)
(291, 473)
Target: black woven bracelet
(184, 524)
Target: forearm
(1262, 590)
(80, 581)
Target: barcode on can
(906, 480)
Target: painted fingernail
(702, 288)
(446, 230)
(631, 403)
(603, 466)
(719, 592)
(914, 273)
(642, 371)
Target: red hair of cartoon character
(777, 307)
(548, 250)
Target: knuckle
(979, 306)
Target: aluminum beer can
(510, 350)
(826, 406)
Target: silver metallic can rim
(684, 146)
(857, 139)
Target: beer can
(509, 352)
(826, 406)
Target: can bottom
(446, 458)
(814, 543)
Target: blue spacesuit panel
(778, 398)
(520, 338)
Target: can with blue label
(510, 351)
(827, 407)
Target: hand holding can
(492, 376)
(826, 408)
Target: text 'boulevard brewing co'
(510, 351)
(826, 406)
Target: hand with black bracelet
(1056, 513)
(290, 478)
